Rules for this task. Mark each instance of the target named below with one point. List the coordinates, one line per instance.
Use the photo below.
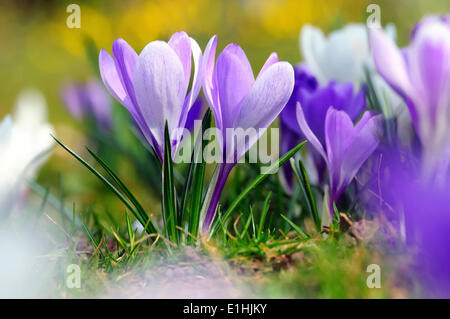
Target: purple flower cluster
(153, 86)
(324, 116)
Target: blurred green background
(39, 50)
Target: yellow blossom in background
(284, 18)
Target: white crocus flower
(343, 56)
(24, 139)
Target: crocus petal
(195, 113)
(265, 101)
(390, 62)
(114, 84)
(312, 43)
(181, 44)
(308, 133)
(210, 81)
(159, 84)
(112, 80)
(125, 60)
(339, 134)
(357, 104)
(272, 59)
(234, 80)
(196, 84)
(364, 144)
(429, 62)
(197, 79)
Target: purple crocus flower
(346, 146)
(316, 100)
(420, 74)
(238, 100)
(153, 85)
(426, 214)
(88, 99)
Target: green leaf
(295, 227)
(305, 186)
(169, 194)
(143, 216)
(199, 167)
(283, 159)
(247, 224)
(263, 216)
(129, 226)
(143, 220)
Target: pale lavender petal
(390, 62)
(112, 80)
(197, 80)
(364, 144)
(234, 80)
(181, 44)
(429, 62)
(160, 88)
(308, 133)
(125, 60)
(339, 134)
(265, 101)
(210, 81)
(273, 58)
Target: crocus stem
(224, 171)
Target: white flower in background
(24, 140)
(343, 56)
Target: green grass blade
(283, 159)
(169, 199)
(129, 226)
(105, 182)
(305, 186)
(263, 216)
(143, 217)
(247, 224)
(295, 227)
(198, 179)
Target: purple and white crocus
(153, 85)
(420, 74)
(239, 101)
(345, 148)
